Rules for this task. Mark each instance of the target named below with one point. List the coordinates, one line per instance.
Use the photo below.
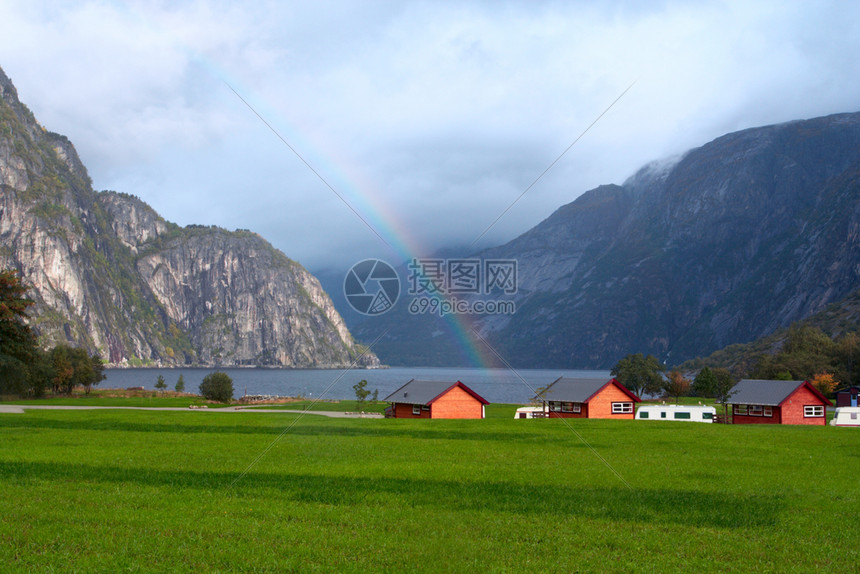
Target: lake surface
(495, 385)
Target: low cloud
(428, 118)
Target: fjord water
(495, 385)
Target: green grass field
(192, 492)
(118, 398)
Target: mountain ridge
(111, 275)
(722, 244)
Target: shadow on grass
(310, 426)
(684, 507)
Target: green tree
(217, 386)
(41, 372)
(847, 359)
(180, 384)
(640, 374)
(62, 368)
(73, 367)
(160, 384)
(375, 396)
(95, 373)
(18, 346)
(360, 393)
(705, 383)
(725, 382)
(806, 351)
(676, 385)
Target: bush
(217, 387)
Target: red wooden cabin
(435, 400)
(778, 402)
(588, 399)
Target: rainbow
(362, 195)
(365, 198)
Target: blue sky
(429, 118)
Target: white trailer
(688, 413)
(846, 417)
(529, 413)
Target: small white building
(846, 417)
(691, 413)
(529, 413)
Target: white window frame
(756, 410)
(622, 408)
(577, 407)
(554, 407)
(567, 407)
(740, 409)
(813, 411)
(768, 411)
(416, 409)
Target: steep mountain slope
(735, 239)
(836, 320)
(110, 274)
(744, 235)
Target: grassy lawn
(492, 410)
(189, 492)
(118, 398)
(338, 406)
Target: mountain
(725, 244)
(836, 321)
(109, 274)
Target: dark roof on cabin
(768, 393)
(417, 392)
(578, 390)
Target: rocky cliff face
(744, 235)
(735, 239)
(110, 274)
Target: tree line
(807, 354)
(25, 368)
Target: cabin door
(853, 400)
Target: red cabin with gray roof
(588, 399)
(778, 402)
(435, 400)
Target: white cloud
(439, 114)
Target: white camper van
(529, 413)
(676, 413)
(846, 417)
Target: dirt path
(19, 409)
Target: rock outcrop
(109, 274)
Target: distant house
(588, 399)
(848, 397)
(435, 400)
(778, 402)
